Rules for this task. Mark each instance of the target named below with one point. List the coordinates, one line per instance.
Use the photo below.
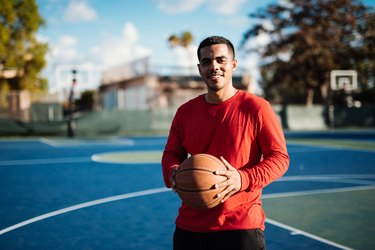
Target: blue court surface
(108, 193)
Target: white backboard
(87, 77)
(344, 79)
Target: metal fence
(27, 106)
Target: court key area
(108, 193)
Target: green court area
(338, 143)
(129, 157)
(346, 218)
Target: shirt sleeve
(174, 152)
(272, 144)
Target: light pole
(70, 105)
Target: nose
(214, 65)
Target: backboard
(87, 77)
(344, 79)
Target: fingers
(172, 180)
(227, 173)
(228, 192)
(230, 187)
(229, 167)
(232, 184)
(227, 164)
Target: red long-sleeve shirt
(246, 132)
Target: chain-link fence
(26, 106)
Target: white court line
(352, 179)
(325, 177)
(319, 191)
(149, 192)
(159, 190)
(84, 205)
(89, 143)
(321, 147)
(306, 234)
(314, 149)
(49, 142)
(45, 161)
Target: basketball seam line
(195, 169)
(193, 190)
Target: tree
(182, 51)
(86, 101)
(308, 39)
(184, 40)
(22, 57)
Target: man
(243, 131)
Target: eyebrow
(209, 58)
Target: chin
(214, 87)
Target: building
(137, 86)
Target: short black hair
(211, 40)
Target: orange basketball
(195, 181)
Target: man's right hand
(172, 180)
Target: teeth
(215, 75)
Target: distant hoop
(344, 79)
(86, 76)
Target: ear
(199, 68)
(234, 64)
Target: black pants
(228, 240)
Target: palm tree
(184, 40)
(173, 41)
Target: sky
(99, 35)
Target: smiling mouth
(215, 76)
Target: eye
(221, 60)
(205, 62)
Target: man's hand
(233, 182)
(172, 180)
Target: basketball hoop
(87, 76)
(347, 81)
(344, 80)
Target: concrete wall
(299, 117)
(158, 121)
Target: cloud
(184, 57)
(224, 7)
(130, 33)
(178, 6)
(62, 52)
(68, 41)
(238, 21)
(79, 11)
(65, 50)
(112, 51)
(121, 49)
(257, 43)
(42, 38)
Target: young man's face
(216, 66)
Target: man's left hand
(233, 182)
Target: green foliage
(309, 38)
(19, 48)
(86, 102)
(185, 39)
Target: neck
(216, 97)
